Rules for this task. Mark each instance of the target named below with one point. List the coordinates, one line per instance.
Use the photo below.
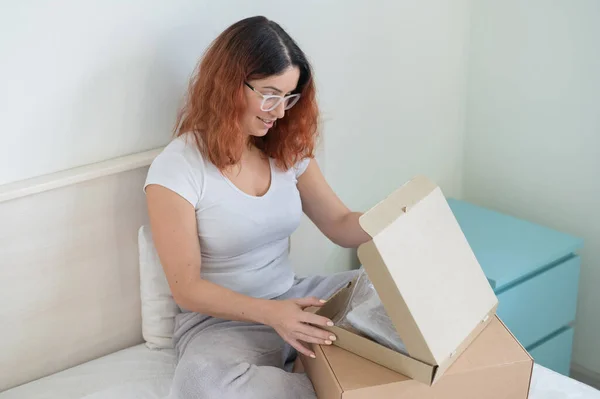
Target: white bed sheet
(547, 384)
(132, 373)
(141, 373)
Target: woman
(224, 197)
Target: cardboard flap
(399, 202)
(425, 272)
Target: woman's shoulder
(181, 153)
(179, 167)
(301, 165)
(184, 147)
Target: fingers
(315, 333)
(317, 320)
(309, 301)
(313, 340)
(301, 348)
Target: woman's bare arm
(327, 211)
(175, 235)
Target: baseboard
(585, 375)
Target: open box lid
(425, 272)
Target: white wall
(86, 81)
(392, 89)
(533, 129)
(83, 82)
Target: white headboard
(69, 275)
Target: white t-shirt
(243, 238)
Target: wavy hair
(252, 48)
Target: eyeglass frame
(280, 99)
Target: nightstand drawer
(542, 304)
(555, 353)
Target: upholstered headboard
(69, 275)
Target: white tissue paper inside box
(366, 314)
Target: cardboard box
(494, 366)
(428, 279)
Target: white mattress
(139, 372)
(132, 373)
(547, 384)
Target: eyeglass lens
(271, 103)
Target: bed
(142, 373)
(73, 298)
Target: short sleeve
(301, 166)
(171, 170)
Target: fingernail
(332, 337)
(322, 301)
(313, 356)
(327, 342)
(330, 323)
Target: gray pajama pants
(230, 359)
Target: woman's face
(257, 122)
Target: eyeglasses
(270, 102)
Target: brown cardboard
(372, 350)
(428, 279)
(494, 366)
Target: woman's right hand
(294, 324)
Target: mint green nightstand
(534, 272)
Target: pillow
(158, 306)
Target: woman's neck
(251, 151)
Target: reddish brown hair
(252, 48)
